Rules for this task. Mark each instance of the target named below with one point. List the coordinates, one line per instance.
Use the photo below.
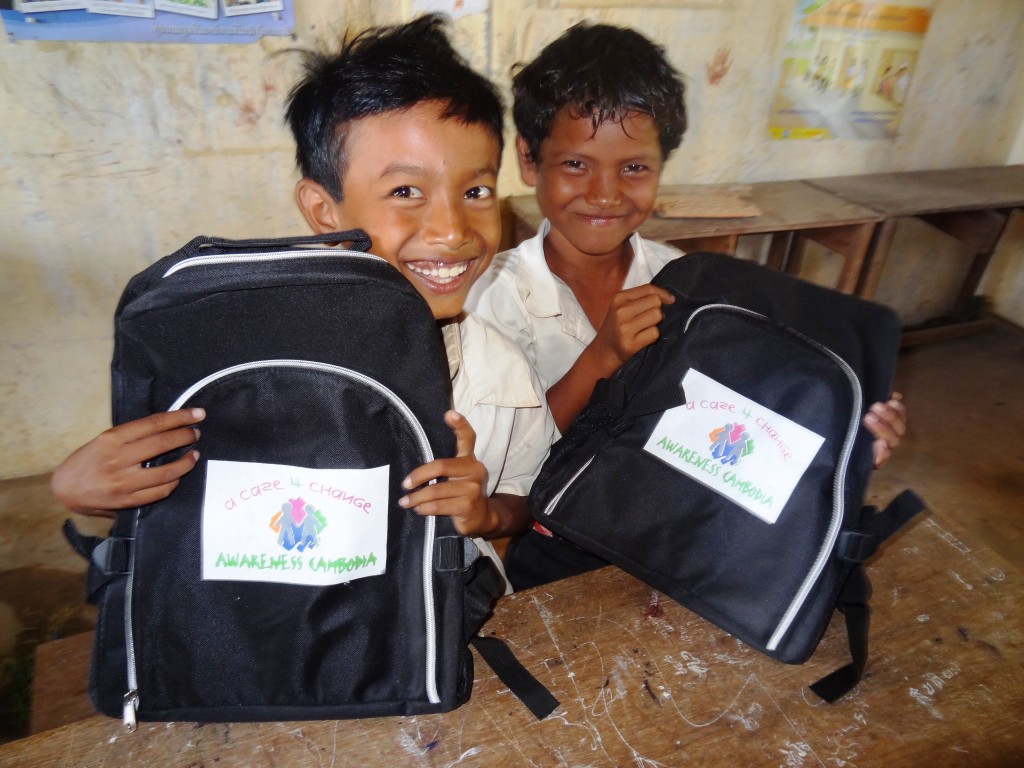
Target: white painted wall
(113, 154)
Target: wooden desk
(969, 204)
(791, 212)
(644, 682)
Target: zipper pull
(131, 703)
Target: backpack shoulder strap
(483, 586)
(511, 672)
(855, 547)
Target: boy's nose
(447, 225)
(603, 190)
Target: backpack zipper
(838, 483)
(246, 258)
(131, 698)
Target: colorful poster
(848, 69)
(293, 525)
(147, 21)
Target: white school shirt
(497, 391)
(521, 297)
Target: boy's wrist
(604, 359)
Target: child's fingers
(453, 498)
(880, 452)
(465, 437)
(649, 318)
(156, 423)
(881, 429)
(150, 447)
(453, 469)
(153, 494)
(887, 420)
(645, 291)
(155, 477)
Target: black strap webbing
(109, 557)
(513, 674)
(853, 600)
(484, 585)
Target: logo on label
(298, 525)
(730, 443)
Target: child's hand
(464, 497)
(888, 423)
(106, 473)
(631, 322)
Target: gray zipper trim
(131, 698)
(838, 484)
(243, 258)
(558, 496)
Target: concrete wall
(112, 155)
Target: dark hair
(604, 73)
(383, 69)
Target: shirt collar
(544, 295)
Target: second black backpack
(281, 580)
(726, 464)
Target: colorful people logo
(730, 443)
(298, 525)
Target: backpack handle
(357, 240)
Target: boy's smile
(595, 188)
(423, 188)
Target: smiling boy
(397, 136)
(597, 114)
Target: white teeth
(442, 273)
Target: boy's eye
(575, 165)
(406, 191)
(635, 168)
(479, 193)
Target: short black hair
(602, 72)
(382, 69)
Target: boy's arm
(464, 496)
(630, 325)
(107, 473)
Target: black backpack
(325, 380)
(726, 464)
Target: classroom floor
(963, 453)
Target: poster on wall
(147, 21)
(848, 68)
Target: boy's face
(595, 188)
(423, 188)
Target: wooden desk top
(910, 193)
(644, 682)
(785, 206)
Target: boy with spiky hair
(597, 114)
(397, 136)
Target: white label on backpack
(292, 525)
(734, 446)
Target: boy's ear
(317, 207)
(527, 168)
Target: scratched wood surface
(644, 682)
